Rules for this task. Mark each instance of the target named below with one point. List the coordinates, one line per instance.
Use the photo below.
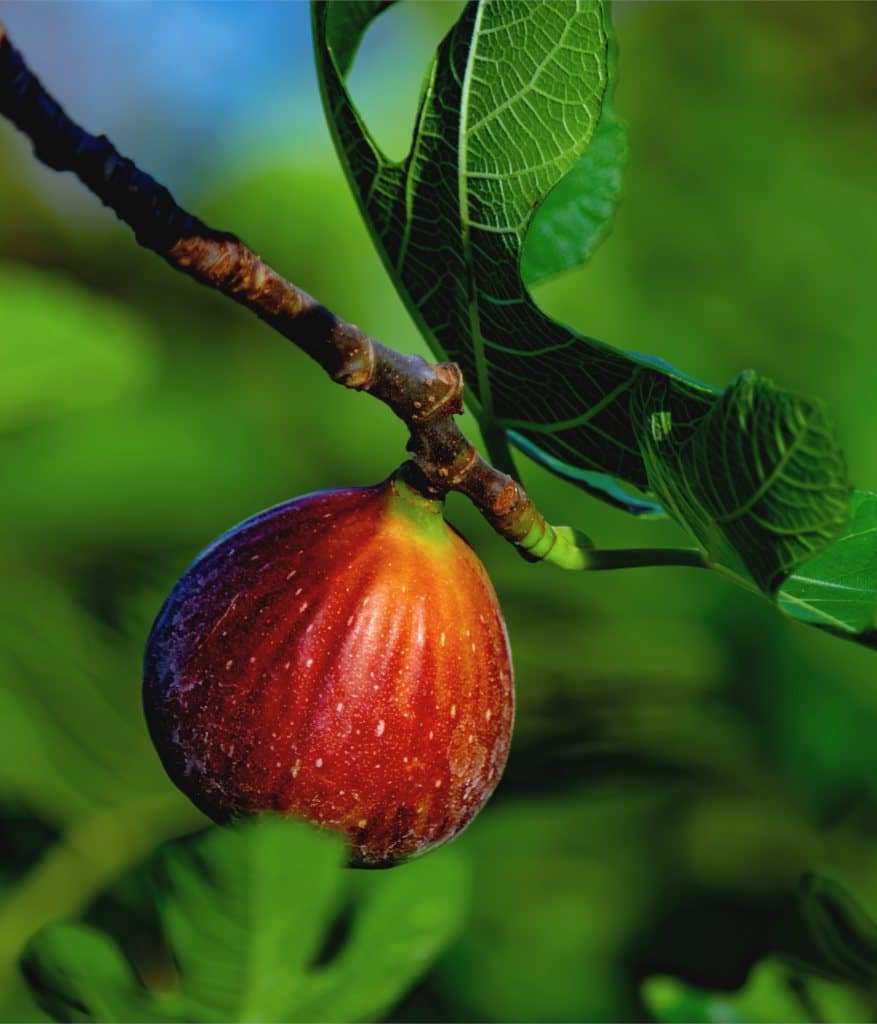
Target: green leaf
(775, 993)
(671, 1001)
(842, 930)
(508, 112)
(577, 214)
(265, 925)
(837, 588)
(599, 484)
(349, 28)
(757, 477)
(240, 930)
(405, 918)
(63, 347)
(78, 974)
(509, 108)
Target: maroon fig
(341, 658)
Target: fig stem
(425, 396)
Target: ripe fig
(341, 658)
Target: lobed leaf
(513, 174)
(404, 919)
(241, 928)
(493, 136)
(264, 925)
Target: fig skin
(341, 658)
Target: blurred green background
(682, 753)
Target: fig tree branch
(426, 397)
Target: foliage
(680, 758)
(508, 110)
(838, 984)
(845, 935)
(254, 917)
(774, 994)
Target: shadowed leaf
(843, 931)
(774, 993)
(757, 479)
(250, 914)
(79, 974)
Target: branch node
(506, 500)
(359, 367)
(435, 402)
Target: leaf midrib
(484, 392)
(246, 1010)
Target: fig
(341, 658)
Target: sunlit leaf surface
(837, 589)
